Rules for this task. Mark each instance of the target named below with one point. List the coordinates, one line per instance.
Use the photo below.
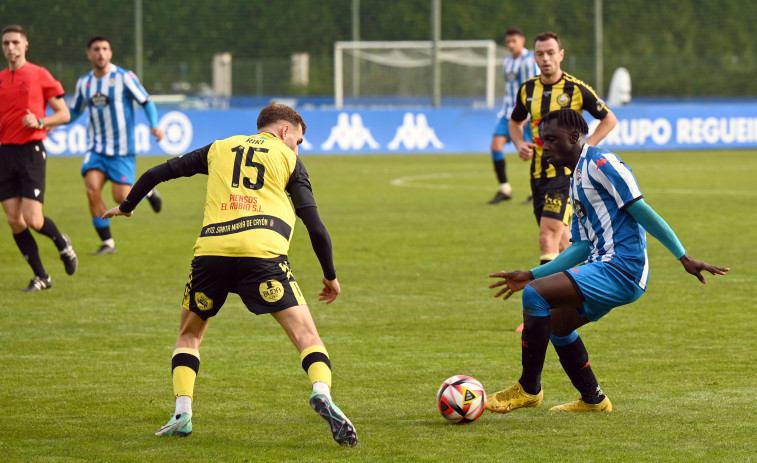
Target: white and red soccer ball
(461, 398)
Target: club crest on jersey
(512, 76)
(99, 99)
(578, 176)
(563, 100)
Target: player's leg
(499, 140)
(299, 326)
(32, 197)
(540, 298)
(94, 180)
(26, 244)
(204, 295)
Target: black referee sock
(50, 230)
(499, 169)
(534, 342)
(575, 361)
(28, 246)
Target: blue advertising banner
(652, 126)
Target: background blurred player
(25, 90)
(243, 250)
(553, 89)
(608, 238)
(518, 67)
(109, 91)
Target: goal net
(401, 72)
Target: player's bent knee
(534, 304)
(558, 340)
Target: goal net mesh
(375, 72)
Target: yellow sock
(185, 364)
(316, 363)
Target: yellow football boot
(512, 398)
(581, 406)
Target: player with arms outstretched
(608, 233)
(243, 248)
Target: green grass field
(86, 365)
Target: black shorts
(265, 285)
(551, 198)
(22, 171)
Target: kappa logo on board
(415, 133)
(349, 133)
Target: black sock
(544, 261)
(28, 246)
(499, 169)
(50, 230)
(575, 361)
(104, 233)
(534, 342)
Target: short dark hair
(15, 28)
(514, 31)
(278, 112)
(97, 38)
(568, 119)
(544, 36)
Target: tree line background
(696, 48)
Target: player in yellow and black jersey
(242, 248)
(552, 90)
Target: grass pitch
(86, 365)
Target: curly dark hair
(568, 119)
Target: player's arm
(604, 127)
(59, 116)
(78, 104)
(301, 192)
(573, 255)
(195, 162)
(516, 127)
(661, 231)
(152, 116)
(598, 109)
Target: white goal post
(395, 68)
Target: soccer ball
(461, 398)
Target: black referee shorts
(22, 171)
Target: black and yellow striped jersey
(537, 99)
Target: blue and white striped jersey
(111, 110)
(516, 70)
(601, 187)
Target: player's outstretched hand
(330, 291)
(116, 211)
(695, 267)
(512, 282)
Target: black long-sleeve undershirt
(196, 163)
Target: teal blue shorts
(118, 169)
(602, 287)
